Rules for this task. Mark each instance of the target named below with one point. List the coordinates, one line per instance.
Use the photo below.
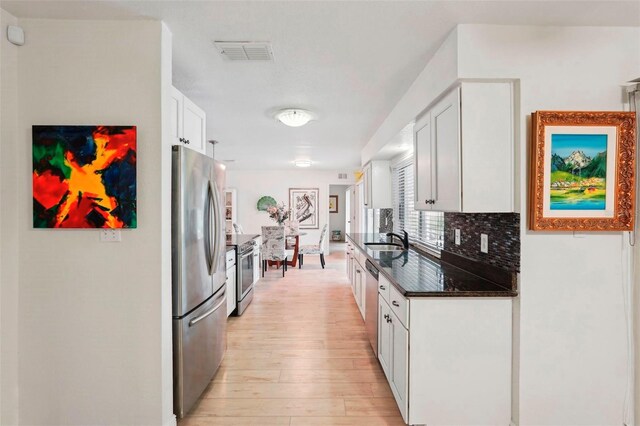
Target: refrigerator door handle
(210, 311)
(216, 227)
(208, 249)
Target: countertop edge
(478, 294)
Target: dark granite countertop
(418, 275)
(235, 240)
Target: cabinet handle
(382, 287)
(388, 319)
(430, 201)
(358, 271)
(186, 141)
(396, 304)
(386, 316)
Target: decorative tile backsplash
(503, 230)
(386, 221)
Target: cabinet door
(360, 289)
(231, 290)
(399, 344)
(384, 337)
(423, 159)
(176, 115)
(194, 124)
(445, 144)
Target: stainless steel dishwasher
(371, 303)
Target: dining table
(294, 260)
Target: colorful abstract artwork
(84, 177)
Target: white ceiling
(348, 62)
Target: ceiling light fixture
(302, 163)
(294, 117)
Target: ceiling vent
(342, 176)
(245, 50)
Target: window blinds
(425, 229)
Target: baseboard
(171, 421)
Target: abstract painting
(582, 171)
(303, 203)
(84, 177)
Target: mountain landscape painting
(578, 171)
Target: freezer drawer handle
(209, 312)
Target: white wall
(9, 172)
(436, 77)
(338, 221)
(573, 350)
(94, 317)
(253, 184)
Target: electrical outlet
(457, 237)
(110, 235)
(484, 243)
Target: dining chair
(273, 247)
(292, 229)
(237, 228)
(313, 249)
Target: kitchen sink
(384, 247)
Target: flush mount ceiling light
(302, 163)
(294, 117)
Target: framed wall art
(333, 204)
(582, 171)
(84, 177)
(304, 206)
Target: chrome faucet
(405, 239)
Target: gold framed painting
(582, 173)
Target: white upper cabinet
(377, 185)
(188, 123)
(464, 151)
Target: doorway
(338, 213)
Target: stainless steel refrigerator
(198, 275)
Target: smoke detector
(245, 50)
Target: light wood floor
(299, 356)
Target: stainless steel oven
(245, 267)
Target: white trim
(171, 421)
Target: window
(426, 229)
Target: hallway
(299, 356)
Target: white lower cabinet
(357, 278)
(231, 283)
(257, 264)
(451, 365)
(393, 352)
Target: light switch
(484, 243)
(457, 237)
(110, 235)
